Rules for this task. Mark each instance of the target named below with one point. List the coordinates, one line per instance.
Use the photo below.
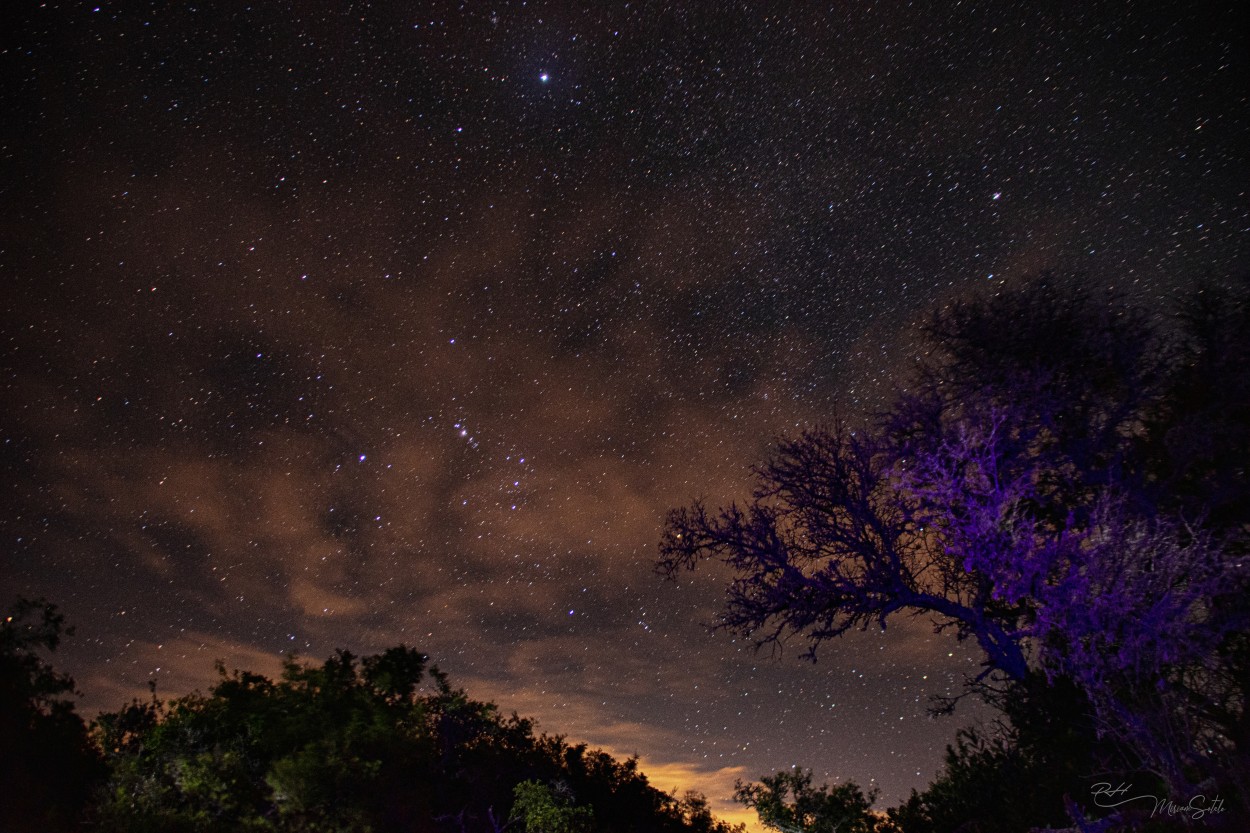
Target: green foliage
(380, 744)
(788, 802)
(542, 809)
(395, 673)
(48, 765)
(303, 753)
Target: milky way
(346, 325)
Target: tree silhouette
(1028, 491)
(789, 803)
(380, 743)
(47, 763)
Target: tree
(1013, 774)
(1028, 492)
(789, 803)
(47, 766)
(383, 743)
(543, 809)
(695, 810)
(326, 747)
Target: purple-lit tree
(1123, 605)
(1022, 493)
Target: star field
(359, 324)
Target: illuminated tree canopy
(1063, 481)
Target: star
(642, 291)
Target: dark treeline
(383, 743)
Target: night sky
(351, 324)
